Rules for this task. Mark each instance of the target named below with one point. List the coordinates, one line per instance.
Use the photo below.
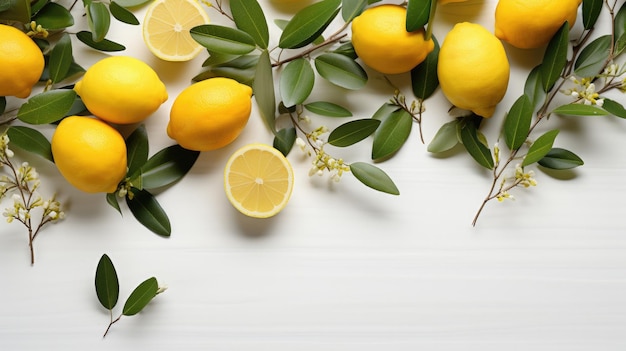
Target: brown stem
(113, 321)
(333, 39)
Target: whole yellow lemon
(210, 114)
(21, 62)
(381, 41)
(89, 153)
(528, 24)
(121, 90)
(473, 69)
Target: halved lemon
(166, 29)
(258, 180)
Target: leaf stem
(113, 321)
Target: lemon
(473, 68)
(529, 24)
(89, 153)
(121, 90)
(21, 60)
(166, 29)
(381, 41)
(258, 180)
(210, 114)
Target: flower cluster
(322, 161)
(37, 31)
(585, 91)
(520, 178)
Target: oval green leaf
(47, 107)
(141, 296)
(517, 123)
(374, 177)
(99, 20)
(579, 110)
(533, 88)
(105, 45)
(352, 8)
(619, 24)
(222, 39)
(591, 11)
(341, 71)
(137, 150)
(560, 159)
(122, 14)
(471, 139)
(15, 10)
(540, 147)
(392, 134)
(555, 57)
(107, 284)
(614, 108)
(417, 13)
(328, 109)
(284, 140)
(249, 17)
(263, 88)
(446, 138)
(308, 24)
(60, 59)
(593, 57)
(296, 82)
(54, 17)
(424, 78)
(167, 166)
(31, 140)
(149, 212)
(112, 201)
(352, 132)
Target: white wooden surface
(342, 267)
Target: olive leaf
(249, 17)
(560, 159)
(141, 296)
(593, 57)
(352, 8)
(579, 110)
(284, 140)
(591, 11)
(619, 24)
(614, 108)
(112, 201)
(216, 58)
(149, 212)
(296, 82)
(60, 59)
(122, 14)
(47, 107)
(446, 137)
(167, 166)
(555, 57)
(105, 45)
(352, 132)
(533, 88)
(424, 78)
(107, 284)
(31, 140)
(328, 109)
(53, 16)
(137, 149)
(222, 39)
(373, 177)
(471, 139)
(517, 123)
(241, 69)
(98, 19)
(341, 71)
(540, 147)
(392, 134)
(308, 24)
(417, 14)
(263, 88)
(15, 10)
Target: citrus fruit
(210, 114)
(381, 41)
(121, 90)
(89, 153)
(473, 69)
(21, 60)
(528, 24)
(166, 29)
(258, 180)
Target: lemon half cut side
(258, 180)
(166, 29)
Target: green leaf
(296, 82)
(328, 109)
(424, 78)
(122, 14)
(241, 69)
(555, 57)
(373, 177)
(112, 201)
(579, 110)
(167, 166)
(384, 111)
(249, 17)
(60, 59)
(99, 20)
(222, 39)
(446, 138)
(3, 104)
(54, 17)
(141, 296)
(341, 71)
(560, 159)
(104, 45)
(47, 107)
(352, 132)
(593, 57)
(308, 24)
(31, 140)
(35, 6)
(284, 140)
(540, 147)
(614, 108)
(78, 107)
(15, 10)
(346, 49)
(475, 146)
(591, 11)
(619, 24)
(417, 13)
(107, 284)
(216, 58)
(263, 88)
(392, 134)
(148, 212)
(517, 123)
(533, 88)
(137, 150)
(131, 3)
(352, 8)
